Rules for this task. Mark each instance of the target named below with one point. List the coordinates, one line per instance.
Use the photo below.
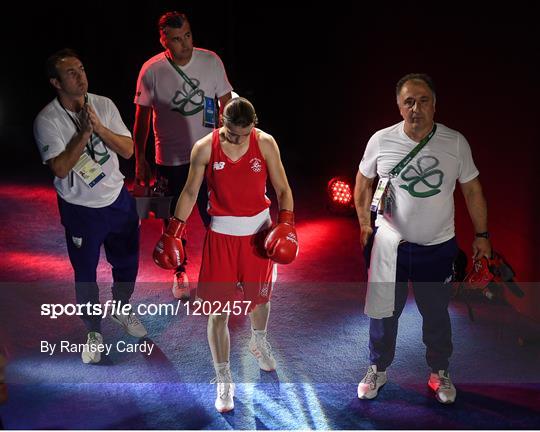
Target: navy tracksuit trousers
(428, 268)
(116, 227)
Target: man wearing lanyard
(79, 135)
(418, 162)
(179, 88)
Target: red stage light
(340, 194)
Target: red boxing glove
(281, 243)
(481, 274)
(169, 251)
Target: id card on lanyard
(379, 192)
(384, 198)
(88, 170)
(210, 112)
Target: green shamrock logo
(423, 173)
(189, 96)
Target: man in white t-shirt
(179, 88)
(418, 162)
(79, 135)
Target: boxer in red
(241, 246)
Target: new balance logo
(219, 166)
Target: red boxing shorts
(235, 268)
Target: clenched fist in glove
(169, 251)
(281, 243)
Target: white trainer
(92, 349)
(180, 288)
(369, 387)
(440, 383)
(262, 351)
(225, 391)
(130, 324)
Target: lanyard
(397, 169)
(182, 74)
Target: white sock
(221, 367)
(259, 333)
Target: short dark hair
(239, 112)
(415, 77)
(54, 59)
(171, 19)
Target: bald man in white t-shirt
(418, 163)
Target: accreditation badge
(210, 112)
(379, 192)
(88, 170)
(389, 200)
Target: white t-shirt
(178, 108)
(53, 130)
(423, 212)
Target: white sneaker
(92, 349)
(369, 387)
(225, 391)
(440, 383)
(180, 287)
(262, 351)
(130, 323)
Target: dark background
(322, 79)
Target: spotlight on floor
(340, 195)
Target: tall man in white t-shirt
(179, 89)
(79, 136)
(418, 162)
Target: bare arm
(278, 178)
(141, 128)
(200, 157)
(62, 164)
(363, 194)
(222, 102)
(477, 207)
(120, 144)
